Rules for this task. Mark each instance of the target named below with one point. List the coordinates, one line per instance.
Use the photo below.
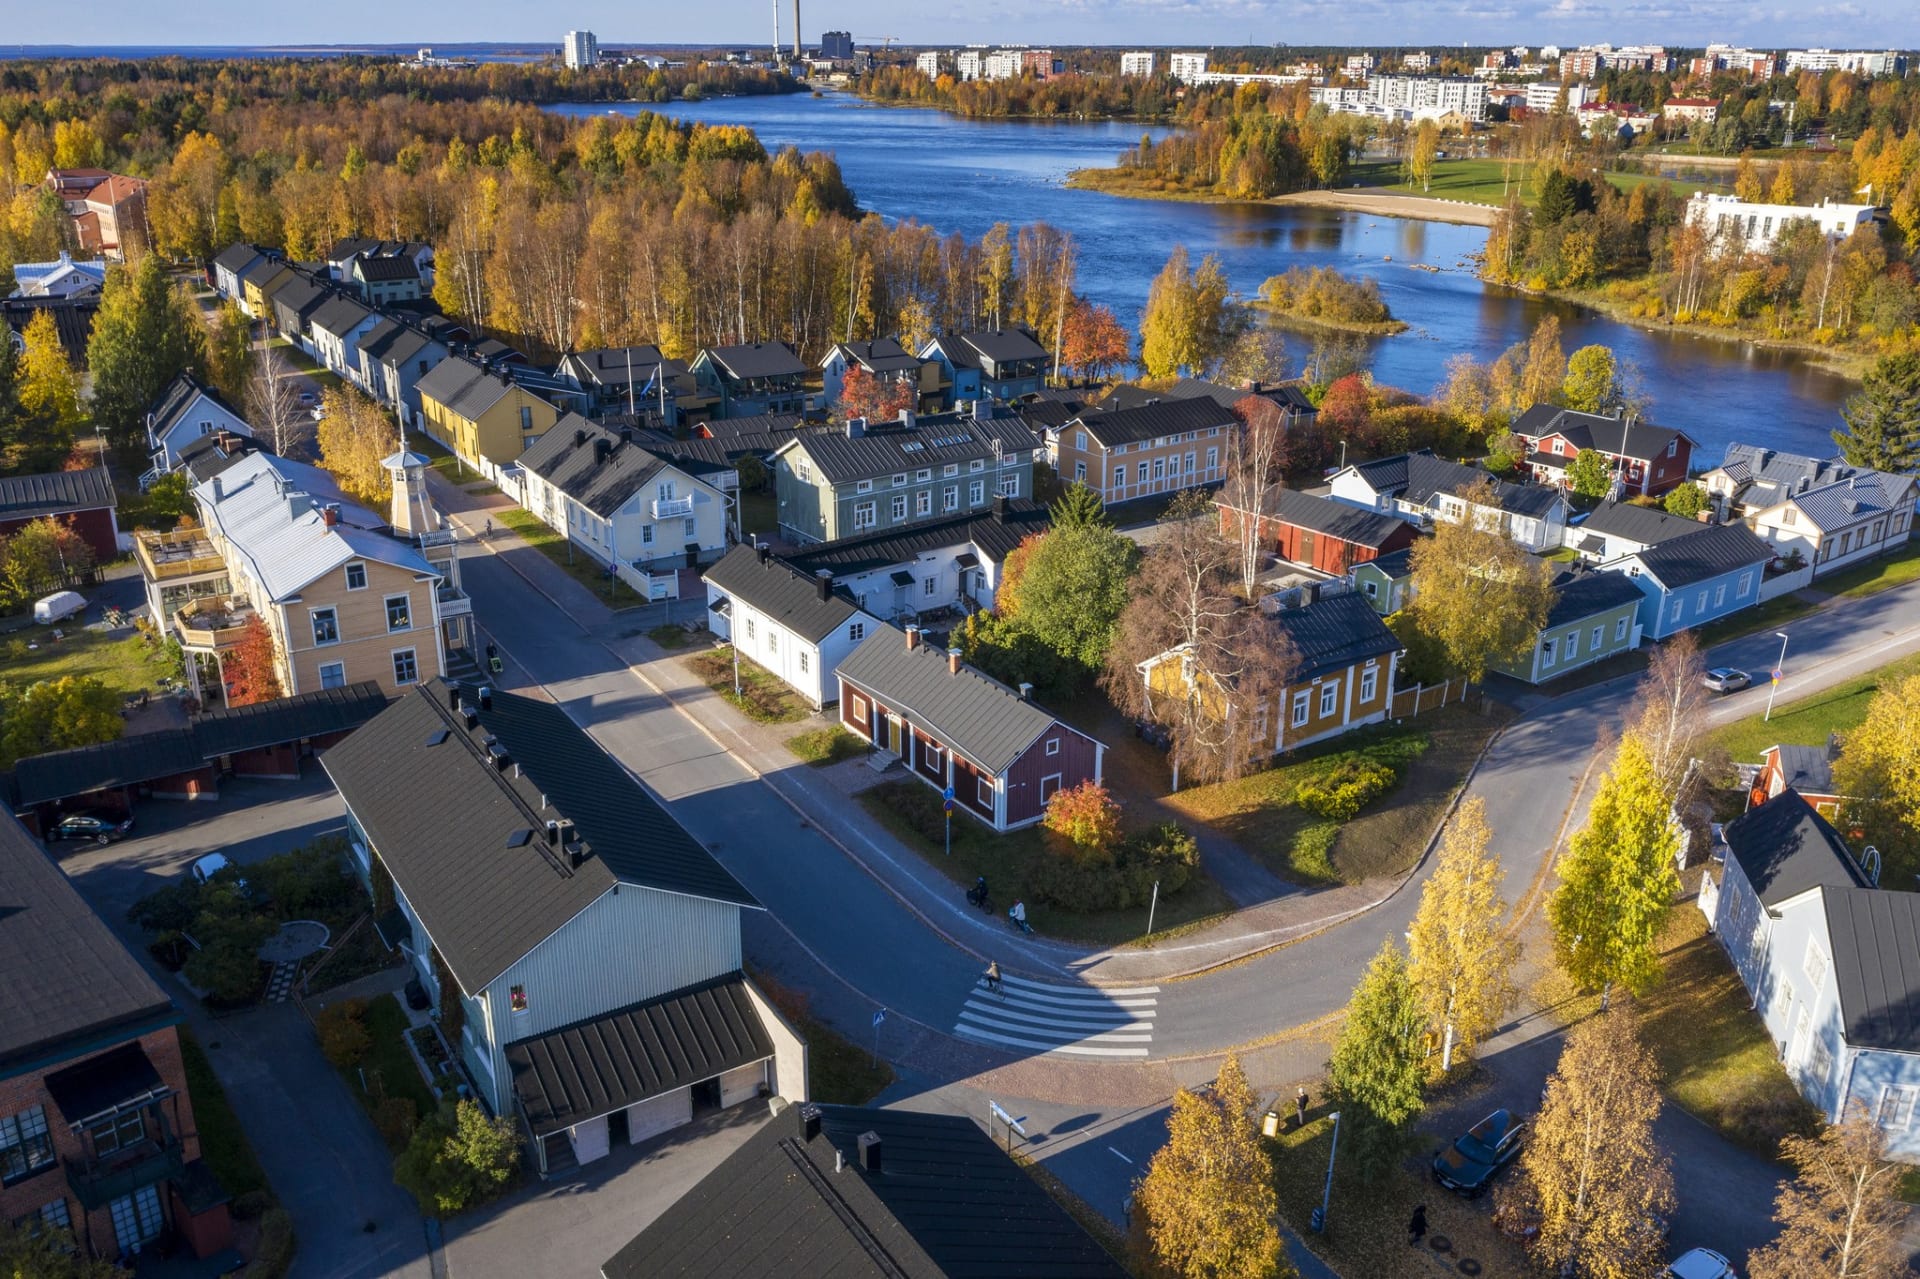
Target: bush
(342, 1028)
(308, 881)
(171, 909)
(1083, 824)
(458, 1158)
(1167, 854)
(229, 971)
(1347, 786)
(273, 1254)
(396, 1118)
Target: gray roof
(1587, 593)
(789, 596)
(1001, 346)
(1860, 496)
(1640, 524)
(887, 448)
(613, 365)
(28, 497)
(1333, 519)
(71, 987)
(1702, 556)
(601, 1064)
(261, 273)
(1394, 564)
(237, 257)
(755, 360)
(568, 456)
(1875, 934)
(1808, 769)
(466, 389)
(1622, 437)
(976, 715)
(882, 355)
(1763, 477)
(442, 819)
(385, 268)
(299, 297)
(1287, 395)
(1333, 634)
(947, 1203)
(339, 315)
(994, 533)
(1152, 420)
(761, 424)
(1786, 848)
(1415, 478)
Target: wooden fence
(1409, 702)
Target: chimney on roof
(579, 437)
(626, 435)
(913, 638)
(453, 697)
(486, 697)
(1026, 692)
(601, 447)
(999, 508)
(809, 1121)
(869, 1143)
(470, 717)
(498, 754)
(907, 419)
(330, 514)
(766, 553)
(856, 427)
(823, 584)
(953, 661)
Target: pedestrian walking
(1300, 1107)
(489, 528)
(1418, 1226)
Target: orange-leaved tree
(252, 669)
(864, 395)
(1083, 822)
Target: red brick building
(97, 1132)
(1319, 532)
(82, 500)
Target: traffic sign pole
(946, 806)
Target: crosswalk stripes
(1048, 1017)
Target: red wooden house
(82, 500)
(1645, 459)
(1321, 533)
(952, 726)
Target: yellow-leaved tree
(355, 436)
(1462, 956)
(1480, 598)
(1841, 1217)
(1880, 762)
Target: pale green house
(1386, 583)
(1595, 615)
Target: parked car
(308, 397)
(204, 870)
(58, 606)
(101, 828)
(1467, 1166)
(1725, 679)
(1701, 1263)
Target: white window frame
(1369, 683)
(863, 486)
(923, 503)
(1814, 965)
(1053, 746)
(1549, 652)
(866, 515)
(897, 508)
(1599, 637)
(406, 603)
(333, 619)
(340, 668)
(1329, 698)
(1010, 485)
(977, 493)
(1896, 1108)
(1302, 707)
(1620, 628)
(856, 631)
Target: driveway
(323, 1156)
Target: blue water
(964, 175)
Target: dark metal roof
(385, 268)
(768, 424)
(70, 986)
(1786, 848)
(1152, 420)
(1415, 478)
(339, 315)
(441, 816)
(883, 355)
(887, 448)
(466, 389)
(1579, 594)
(1333, 634)
(607, 1063)
(1333, 519)
(978, 716)
(994, 533)
(298, 298)
(789, 596)
(755, 360)
(1808, 769)
(180, 395)
(288, 719)
(1701, 556)
(1001, 346)
(1875, 935)
(1394, 564)
(72, 319)
(569, 457)
(237, 257)
(1642, 524)
(121, 1076)
(1621, 437)
(28, 497)
(947, 1203)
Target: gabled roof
(762, 424)
(1786, 848)
(1621, 437)
(755, 360)
(262, 273)
(789, 596)
(974, 714)
(445, 822)
(887, 448)
(947, 1203)
(466, 389)
(300, 295)
(993, 533)
(28, 497)
(1640, 524)
(1002, 346)
(1287, 395)
(1583, 594)
(1332, 519)
(1152, 420)
(1808, 769)
(1701, 556)
(62, 277)
(237, 257)
(384, 269)
(1875, 934)
(1860, 496)
(1764, 477)
(71, 987)
(882, 355)
(179, 398)
(613, 365)
(1333, 634)
(596, 467)
(1394, 565)
(339, 315)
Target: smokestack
(330, 514)
(810, 1115)
(453, 697)
(796, 30)
(856, 427)
(823, 584)
(1026, 692)
(869, 1142)
(486, 697)
(913, 638)
(953, 661)
(766, 553)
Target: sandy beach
(1396, 206)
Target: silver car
(1725, 679)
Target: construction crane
(886, 42)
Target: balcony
(186, 553)
(451, 601)
(217, 622)
(669, 508)
(98, 1183)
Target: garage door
(742, 1084)
(656, 1115)
(589, 1140)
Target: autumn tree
(56, 715)
(356, 436)
(876, 399)
(1378, 1069)
(1462, 957)
(42, 556)
(1593, 383)
(1842, 1216)
(1205, 1208)
(1190, 320)
(1083, 823)
(1418, 169)
(1479, 597)
(1073, 589)
(146, 333)
(31, 1250)
(1594, 1185)
(1590, 474)
(1192, 656)
(273, 407)
(1883, 420)
(1669, 712)
(230, 353)
(1256, 459)
(1258, 355)
(252, 668)
(47, 412)
(1617, 879)
(1095, 342)
(1880, 762)
(1688, 501)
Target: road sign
(1778, 675)
(947, 794)
(879, 1016)
(947, 806)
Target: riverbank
(1418, 208)
(1323, 324)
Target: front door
(893, 734)
(1306, 547)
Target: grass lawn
(823, 746)
(1715, 1058)
(1873, 576)
(1486, 181)
(839, 1071)
(223, 1142)
(1561, 555)
(1431, 753)
(1006, 861)
(1808, 721)
(763, 697)
(388, 1065)
(579, 565)
(759, 513)
(124, 664)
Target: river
(963, 175)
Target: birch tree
(273, 406)
(1256, 456)
(1841, 1217)
(1462, 956)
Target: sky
(1848, 24)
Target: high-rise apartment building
(580, 50)
(1136, 64)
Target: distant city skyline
(1872, 24)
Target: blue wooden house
(1695, 579)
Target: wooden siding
(1323, 551)
(1350, 709)
(366, 646)
(1078, 760)
(1100, 463)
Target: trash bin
(1270, 1124)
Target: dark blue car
(1468, 1165)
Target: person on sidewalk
(1300, 1107)
(1418, 1226)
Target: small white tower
(413, 513)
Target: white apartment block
(580, 49)
(966, 64)
(1859, 63)
(1400, 97)
(1187, 67)
(1756, 226)
(1136, 64)
(1542, 96)
(928, 65)
(1359, 65)
(1001, 64)
(1417, 61)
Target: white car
(1725, 679)
(212, 864)
(1701, 1263)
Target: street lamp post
(1343, 455)
(1319, 1218)
(1779, 673)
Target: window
(749, 628)
(922, 475)
(983, 791)
(333, 675)
(1329, 698)
(773, 642)
(137, 1218)
(1814, 964)
(864, 486)
(866, 516)
(857, 632)
(399, 613)
(929, 586)
(1720, 595)
(898, 507)
(517, 998)
(900, 480)
(1746, 582)
(1619, 629)
(805, 665)
(859, 710)
(326, 626)
(1190, 467)
(646, 535)
(1053, 746)
(1119, 477)
(55, 1215)
(976, 492)
(1080, 440)
(950, 470)
(1371, 587)
(1213, 458)
(1573, 645)
(1159, 468)
(1301, 701)
(950, 498)
(1700, 602)
(664, 490)
(1896, 1108)
(1173, 465)
(25, 1145)
(1594, 640)
(1010, 486)
(1141, 478)
(1080, 472)
(118, 1132)
(1673, 447)
(1548, 652)
(526, 418)
(406, 669)
(356, 577)
(1369, 683)
(923, 502)
(804, 471)
(978, 464)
